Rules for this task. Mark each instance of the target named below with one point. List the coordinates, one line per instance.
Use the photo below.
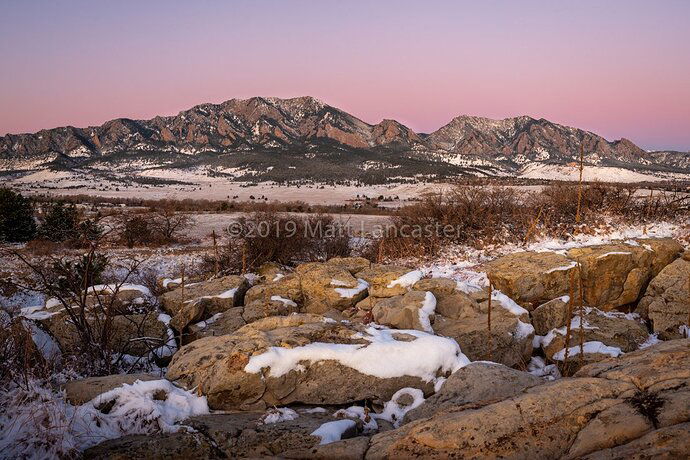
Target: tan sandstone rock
(381, 279)
(287, 287)
(612, 329)
(202, 300)
(329, 286)
(466, 321)
(613, 275)
(241, 370)
(402, 312)
(78, 392)
(478, 383)
(605, 412)
(532, 278)
(666, 301)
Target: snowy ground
(201, 186)
(594, 173)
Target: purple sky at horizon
(617, 68)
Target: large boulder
(351, 264)
(409, 311)
(664, 251)
(287, 287)
(329, 286)
(604, 334)
(310, 359)
(388, 280)
(478, 383)
(666, 301)
(132, 334)
(615, 275)
(199, 301)
(532, 278)
(223, 323)
(610, 404)
(168, 446)
(467, 321)
(551, 315)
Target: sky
(617, 68)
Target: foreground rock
(666, 301)
(167, 446)
(613, 275)
(532, 278)
(637, 399)
(199, 301)
(329, 286)
(80, 391)
(466, 320)
(604, 334)
(309, 359)
(232, 435)
(132, 334)
(477, 383)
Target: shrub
(136, 230)
(272, 237)
(60, 222)
(16, 217)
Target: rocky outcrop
(635, 400)
(306, 358)
(287, 287)
(666, 302)
(614, 275)
(604, 334)
(198, 301)
(466, 320)
(132, 334)
(405, 311)
(387, 280)
(329, 286)
(223, 323)
(532, 278)
(476, 384)
(169, 446)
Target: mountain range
(265, 138)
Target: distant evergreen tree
(61, 222)
(16, 217)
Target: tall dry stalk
(582, 316)
(379, 256)
(244, 259)
(215, 251)
(182, 283)
(687, 327)
(533, 226)
(491, 347)
(579, 186)
(569, 320)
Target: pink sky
(618, 68)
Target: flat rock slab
(81, 391)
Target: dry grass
(481, 216)
(274, 237)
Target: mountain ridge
(306, 124)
